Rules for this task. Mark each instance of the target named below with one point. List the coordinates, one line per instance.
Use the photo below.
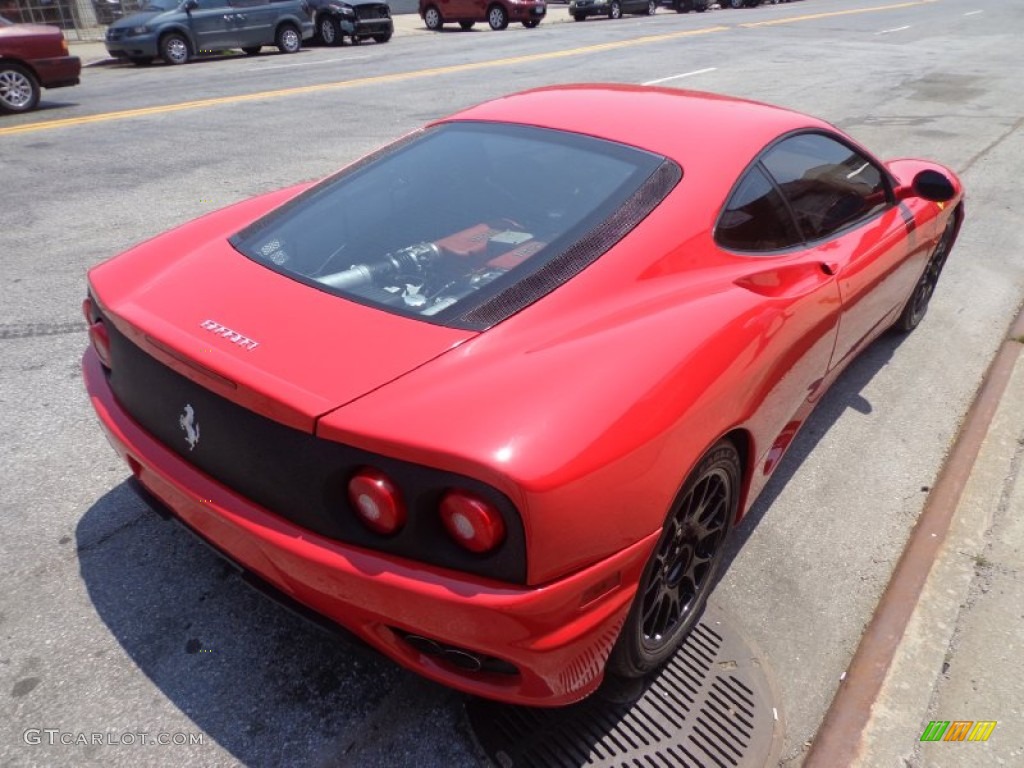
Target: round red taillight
(471, 521)
(377, 501)
(100, 341)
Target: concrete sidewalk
(957, 660)
(94, 52)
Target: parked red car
(32, 56)
(497, 13)
(493, 397)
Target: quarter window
(756, 218)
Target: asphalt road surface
(114, 621)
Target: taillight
(472, 522)
(100, 341)
(377, 501)
(98, 335)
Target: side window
(827, 184)
(247, 3)
(210, 5)
(755, 218)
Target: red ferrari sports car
(492, 397)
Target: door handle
(240, 17)
(830, 267)
(791, 280)
(228, 16)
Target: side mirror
(934, 186)
(190, 5)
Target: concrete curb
(877, 714)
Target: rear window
(441, 224)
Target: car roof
(685, 126)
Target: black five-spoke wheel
(681, 571)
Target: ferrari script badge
(233, 336)
(187, 421)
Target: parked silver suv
(177, 30)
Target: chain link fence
(80, 19)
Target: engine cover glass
(434, 226)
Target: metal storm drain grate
(710, 706)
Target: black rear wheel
(682, 569)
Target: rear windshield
(449, 219)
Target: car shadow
(844, 394)
(265, 685)
(49, 105)
(268, 51)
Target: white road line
(895, 29)
(676, 77)
(310, 63)
(973, 13)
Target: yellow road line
(376, 80)
(830, 14)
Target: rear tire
(652, 7)
(682, 569)
(615, 10)
(19, 89)
(580, 16)
(383, 37)
(531, 23)
(252, 50)
(288, 39)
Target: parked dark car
(497, 13)
(178, 30)
(613, 9)
(32, 56)
(359, 20)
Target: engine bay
(427, 277)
